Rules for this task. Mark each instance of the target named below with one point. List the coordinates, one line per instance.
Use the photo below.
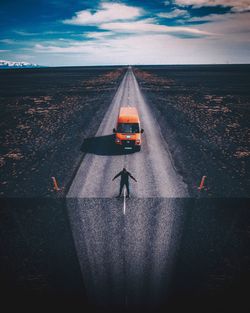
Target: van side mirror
(142, 130)
(114, 130)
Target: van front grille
(128, 143)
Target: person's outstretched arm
(132, 177)
(117, 175)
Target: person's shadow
(103, 145)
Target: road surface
(126, 248)
(152, 166)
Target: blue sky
(79, 32)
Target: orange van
(128, 130)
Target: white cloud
(24, 57)
(80, 48)
(175, 13)
(98, 35)
(107, 12)
(236, 5)
(147, 26)
(7, 41)
(117, 18)
(24, 33)
(234, 27)
(143, 49)
(212, 18)
(124, 39)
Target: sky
(80, 32)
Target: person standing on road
(124, 180)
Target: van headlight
(118, 140)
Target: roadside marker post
(202, 182)
(55, 184)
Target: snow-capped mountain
(13, 64)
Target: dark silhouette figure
(124, 180)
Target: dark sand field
(45, 116)
(204, 114)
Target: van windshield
(128, 128)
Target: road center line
(124, 202)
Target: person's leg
(121, 187)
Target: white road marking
(124, 202)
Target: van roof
(128, 115)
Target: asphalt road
(152, 166)
(126, 248)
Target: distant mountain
(13, 64)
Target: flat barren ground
(45, 116)
(203, 112)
